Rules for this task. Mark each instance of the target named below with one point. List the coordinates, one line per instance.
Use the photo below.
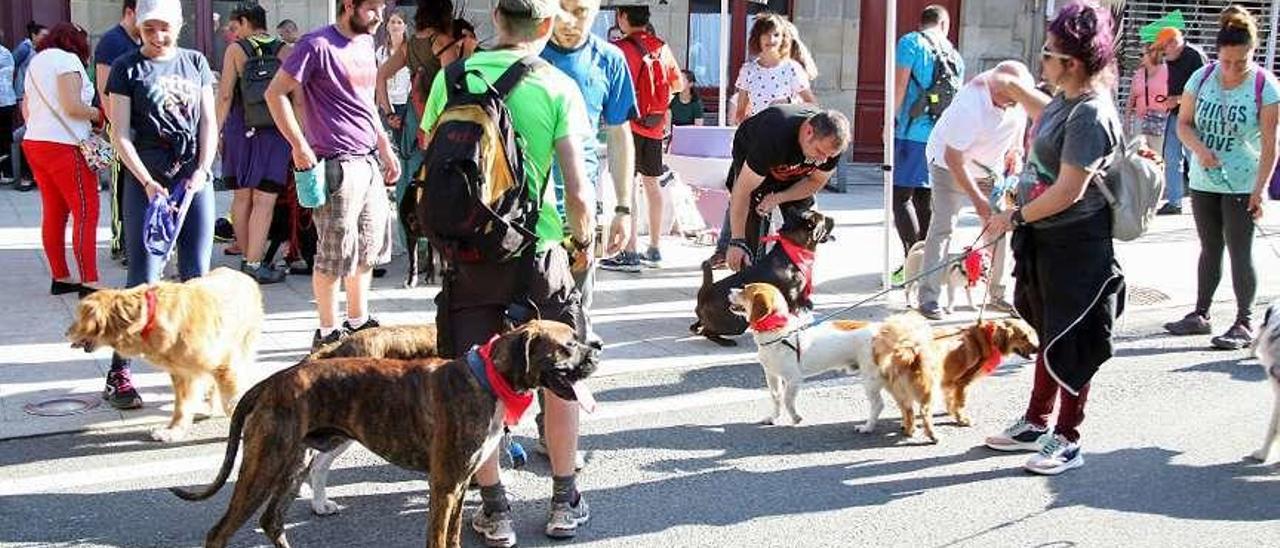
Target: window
(704, 42)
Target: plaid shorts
(353, 227)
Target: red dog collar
(514, 403)
(992, 361)
(801, 257)
(150, 296)
(773, 322)
(972, 267)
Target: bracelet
(742, 245)
(1016, 218)
(622, 210)
(577, 245)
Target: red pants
(67, 187)
(1044, 393)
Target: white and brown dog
(1267, 348)
(896, 355)
(963, 271)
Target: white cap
(169, 11)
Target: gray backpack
(1132, 186)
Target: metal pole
(890, 45)
(1271, 34)
(724, 62)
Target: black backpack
(470, 193)
(259, 69)
(946, 81)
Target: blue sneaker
(627, 261)
(651, 258)
(1057, 455)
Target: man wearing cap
(336, 69)
(1182, 59)
(478, 298)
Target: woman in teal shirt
(1227, 120)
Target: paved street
(675, 456)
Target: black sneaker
(25, 185)
(368, 324)
(651, 258)
(1169, 208)
(1237, 337)
(120, 392)
(336, 336)
(223, 231)
(379, 272)
(627, 261)
(1191, 324)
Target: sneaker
(1057, 455)
(496, 529)
(565, 518)
(998, 304)
(1237, 337)
(931, 311)
(264, 273)
(627, 261)
(899, 276)
(25, 185)
(118, 255)
(379, 272)
(369, 323)
(337, 335)
(223, 231)
(651, 258)
(120, 392)
(1169, 208)
(1191, 324)
(1020, 436)
(579, 462)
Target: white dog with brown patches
(896, 355)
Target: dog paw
(169, 435)
(410, 283)
(326, 508)
(866, 428)
(962, 420)
(769, 421)
(796, 420)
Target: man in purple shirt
(335, 70)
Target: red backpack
(653, 89)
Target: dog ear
(128, 313)
(758, 307)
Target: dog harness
(480, 362)
(774, 322)
(801, 257)
(992, 361)
(150, 296)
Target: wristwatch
(622, 210)
(578, 245)
(1016, 219)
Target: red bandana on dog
(514, 403)
(773, 322)
(801, 257)
(150, 296)
(972, 266)
(992, 361)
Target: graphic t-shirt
(338, 75)
(1227, 121)
(546, 106)
(915, 52)
(767, 86)
(165, 107)
(769, 143)
(1083, 132)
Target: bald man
(983, 128)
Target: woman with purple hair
(1069, 286)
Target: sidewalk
(643, 318)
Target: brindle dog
(431, 415)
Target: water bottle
(311, 186)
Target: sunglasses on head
(1046, 54)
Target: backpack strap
(516, 72)
(1205, 77)
(634, 39)
(1259, 80)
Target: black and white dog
(1267, 348)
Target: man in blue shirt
(121, 39)
(8, 109)
(21, 58)
(915, 64)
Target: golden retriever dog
(199, 331)
(973, 352)
(896, 355)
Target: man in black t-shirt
(782, 156)
(1182, 59)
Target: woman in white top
(398, 85)
(774, 75)
(59, 116)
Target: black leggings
(1223, 220)
(912, 223)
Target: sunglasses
(1046, 54)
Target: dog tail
(246, 405)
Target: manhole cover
(1142, 296)
(61, 406)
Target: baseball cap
(533, 9)
(169, 11)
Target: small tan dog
(973, 352)
(201, 330)
(896, 355)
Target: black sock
(118, 363)
(564, 489)
(494, 499)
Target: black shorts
(265, 185)
(473, 304)
(648, 155)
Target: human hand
(303, 157)
(767, 204)
(1256, 201)
(1208, 159)
(736, 259)
(394, 121)
(153, 188)
(619, 233)
(998, 224)
(390, 166)
(199, 178)
(984, 210)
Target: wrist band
(1016, 218)
(742, 245)
(622, 210)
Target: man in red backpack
(657, 77)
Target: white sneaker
(1057, 455)
(566, 518)
(1020, 436)
(497, 529)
